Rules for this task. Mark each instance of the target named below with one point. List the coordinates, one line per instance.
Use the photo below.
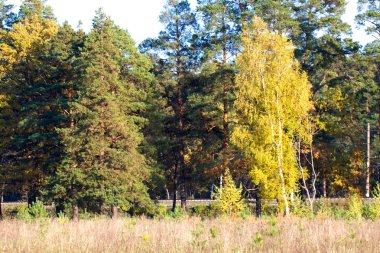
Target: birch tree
(272, 103)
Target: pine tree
(272, 103)
(322, 51)
(211, 100)
(369, 16)
(229, 197)
(31, 142)
(175, 43)
(103, 167)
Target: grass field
(190, 235)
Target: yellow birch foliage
(272, 104)
(24, 40)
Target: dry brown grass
(190, 235)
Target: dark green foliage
(102, 166)
(175, 43)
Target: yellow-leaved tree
(229, 198)
(272, 105)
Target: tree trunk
(167, 193)
(75, 213)
(180, 108)
(1, 201)
(114, 212)
(31, 196)
(175, 187)
(183, 200)
(258, 205)
(324, 186)
(280, 170)
(225, 98)
(368, 172)
(1, 208)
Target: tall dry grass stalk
(190, 235)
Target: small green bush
(338, 212)
(176, 214)
(205, 211)
(371, 211)
(33, 211)
(229, 197)
(375, 205)
(161, 212)
(300, 208)
(38, 210)
(355, 206)
(22, 213)
(86, 215)
(269, 210)
(63, 218)
(321, 208)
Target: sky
(140, 17)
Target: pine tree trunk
(1, 201)
(175, 187)
(1, 208)
(114, 212)
(225, 98)
(32, 196)
(258, 205)
(181, 146)
(75, 213)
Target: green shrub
(33, 211)
(321, 208)
(269, 210)
(372, 210)
(367, 212)
(176, 214)
(300, 208)
(22, 213)
(161, 212)
(86, 215)
(355, 206)
(338, 212)
(229, 198)
(38, 210)
(62, 218)
(205, 211)
(375, 205)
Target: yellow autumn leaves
(24, 40)
(273, 105)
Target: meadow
(190, 234)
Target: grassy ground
(190, 235)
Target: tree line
(275, 91)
